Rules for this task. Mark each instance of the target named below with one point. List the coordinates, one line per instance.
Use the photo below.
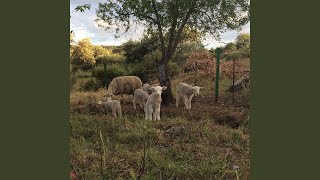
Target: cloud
(226, 37)
(83, 24)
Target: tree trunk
(164, 80)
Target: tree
(171, 17)
(243, 42)
(84, 52)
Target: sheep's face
(108, 94)
(158, 90)
(195, 90)
(146, 87)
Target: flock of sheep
(148, 97)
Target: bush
(73, 80)
(90, 85)
(173, 69)
(138, 70)
(113, 71)
(83, 74)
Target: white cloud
(83, 24)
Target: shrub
(113, 71)
(173, 69)
(73, 80)
(83, 74)
(138, 70)
(90, 85)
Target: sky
(83, 25)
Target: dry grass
(176, 148)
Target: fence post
(195, 78)
(233, 77)
(105, 72)
(217, 74)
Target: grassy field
(174, 148)
(212, 141)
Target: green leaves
(82, 8)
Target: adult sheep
(124, 85)
(187, 92)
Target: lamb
(153, 104)
(141, 97)
(111, 105)
(186, 92)
(124, 85)
(94, 108)
(146, 87)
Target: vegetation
(168, 20)
(174, 149)
(211, 141)
(138, 57)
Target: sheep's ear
(193, 88)
(164, 88)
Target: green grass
(199, 150)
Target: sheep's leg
(114, 114)
(150, 113)
(186, 102)
(134, 103)
(154, 114)
(158, 113)
(141, 105)
(119, 111)
(190, 99)
(146, 113)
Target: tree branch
(163, 48)
(178, 35)
(173, 27)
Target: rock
(240, 84)
(174, 130)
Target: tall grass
(200, 150)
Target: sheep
(124, 85)
(153, 104)
(111, 105)
(94, 108)
(184, 90)
(146, 87)
(141, 97)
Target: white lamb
(187, 92)
(111, 105)
(141, 97)
(153, 104)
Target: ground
(211, 141)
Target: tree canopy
(169, 18)
(243, 42)
(84, 52)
